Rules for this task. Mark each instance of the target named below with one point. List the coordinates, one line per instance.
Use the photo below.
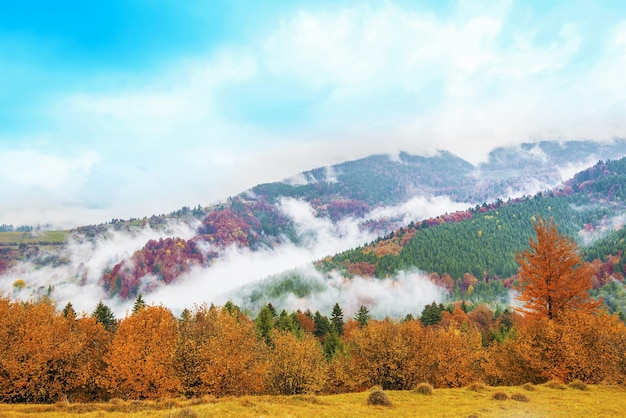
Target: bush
(500, 396)
(578, 385)
(529, 387)
(476, 386)
(424, 389)
(378, 397)
(520, 397)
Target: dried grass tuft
(578, 385)
(378, 397)
(424, 389)
(499, 396)
(476, 386)
(520, 397)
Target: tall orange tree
(552, 277)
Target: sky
(124, 109)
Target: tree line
(561, 333)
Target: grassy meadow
(532, 401)
(33, 238)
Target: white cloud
(374, 78)
(77, 279)
(32, 168)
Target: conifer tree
(431, 314)
(264, 323)
(336, 318)
(362, 316)
(69, 311)
(322, 325)
(332, 345)
(552, 278)
(105, 316)
(139, 304)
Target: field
(541, 401)
(33, 238)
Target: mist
(407, 292)
(76, 276)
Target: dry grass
(499, 396)
(378, 397)
(476, 386)
(555, 384)
(578, 385)
(597, 401)
(520, 397)
(529, 387)
(424, 389)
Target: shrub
(529, 387)
(424, 389)
(378, 397)
(476, 386)
(578, 385)
(520, 397)
(500, 396)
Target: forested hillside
(480, 245)
(354, 188)
(471, 254)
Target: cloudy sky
(127, 108)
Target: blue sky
(128, 108)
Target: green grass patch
(34, 238)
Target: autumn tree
(233, 357)
(296, 365)
(141, 356)
(552, 279)
(45, 356)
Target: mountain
(256, 218)
(471, 254)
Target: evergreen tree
(139, 304)
(431, 314)
(322, 325)
(284, 322)
(272, 310)
(185, 315)
(264, 323)
(332, 345)
(69, 310)
(105, 316)
(232, 308)
(362, 316)
(336, 318)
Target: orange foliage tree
(141, 356)
(233, 358)
(296, 365)
(579, 345)
(45, 356)
(552, 279)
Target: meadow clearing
(548, 400)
